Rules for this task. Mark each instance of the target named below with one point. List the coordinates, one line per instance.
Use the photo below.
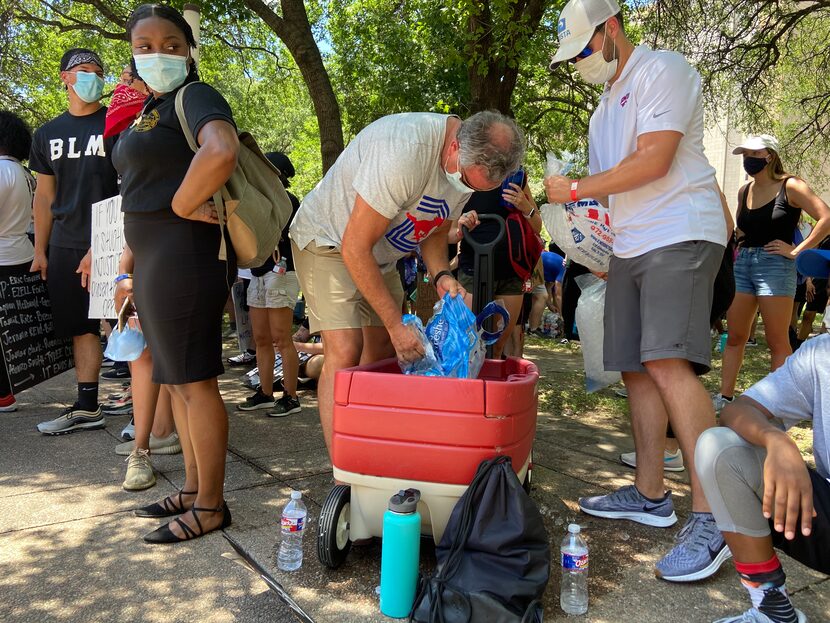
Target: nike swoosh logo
(651, 507)
(665, 112)
(713, 552)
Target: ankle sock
(655, 500)
(767, 588)
(88, 396)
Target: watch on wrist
(531, 213)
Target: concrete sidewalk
(71, 548)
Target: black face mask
(753, 166)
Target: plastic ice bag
(590, 312)
(582, 229)
(454, 341)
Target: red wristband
(574, 185)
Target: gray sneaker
(753, 615)
(719, 402)
(71, 419)
(698, 553)
(628, 503)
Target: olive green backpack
(252, 204)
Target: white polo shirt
(657, 90)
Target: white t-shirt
(395, 164)
(800, 390)
(15, 213)
(657, 90)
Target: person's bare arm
(211, 167)
(802, 196)
(788, 491)
(651, 161)
(364, 229)
(312, 348)
(44, 198)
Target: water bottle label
(292, 524)
(574, 562)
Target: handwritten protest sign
(31, 352)
(107, 245)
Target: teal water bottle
(399, 554)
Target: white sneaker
(163, 445)
(719, 402)
(128, 432)
(672, 461)
(140, 474)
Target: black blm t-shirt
(284, 245)
(73, 150)
(153, 155)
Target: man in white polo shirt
(647, 165)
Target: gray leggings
(731, 472)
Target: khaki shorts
(332, 299)
(273, 291)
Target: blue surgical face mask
(125, 345)
(88, 86)
(455, 178)
(162, 72)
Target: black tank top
(775, 220)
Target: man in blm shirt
(72, 160)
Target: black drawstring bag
(494, 556)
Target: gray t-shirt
(800, 390)
(395, 165)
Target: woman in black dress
(180, 286)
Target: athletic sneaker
(257, 401)
(71, 419)
(719, 402)
(123, 406)
(242, 359)
(106, 362)
(163, 445)
(116, 373)
(672, 461)
(698, 553)
(752, 342)
(628, 503)
(128, 432)
(8, 404)
(140, 474)
(285, 406)
(753, 615)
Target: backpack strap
(218, 200)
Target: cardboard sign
(244, 331)
(107, 245)
(31, 352)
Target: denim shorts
(760, 273)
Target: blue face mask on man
(88, 86)
(162, 72)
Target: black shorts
(69, 301)
(180, 289)
(819, 302)
(814, 550)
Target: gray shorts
(657, 306)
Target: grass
(562, 388)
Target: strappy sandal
(164, 534)
(165, 508)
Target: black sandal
(164, 534)
(166, 508)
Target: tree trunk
(294, 29)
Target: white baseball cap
(577, 23)
(755, 143)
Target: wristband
(574, 185)
(440, 274)
(123, 277)
(531, 213)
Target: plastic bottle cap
(574, 528)
(296, 495)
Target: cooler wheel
(333, 542)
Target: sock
(88, 396)
(765, 582)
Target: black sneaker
(116, 373)
(107, 362)
(257, 401)
(285, 406)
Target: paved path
(71, 549)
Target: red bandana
(125, 105)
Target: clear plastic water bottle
(290, 557)
(573, 597)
